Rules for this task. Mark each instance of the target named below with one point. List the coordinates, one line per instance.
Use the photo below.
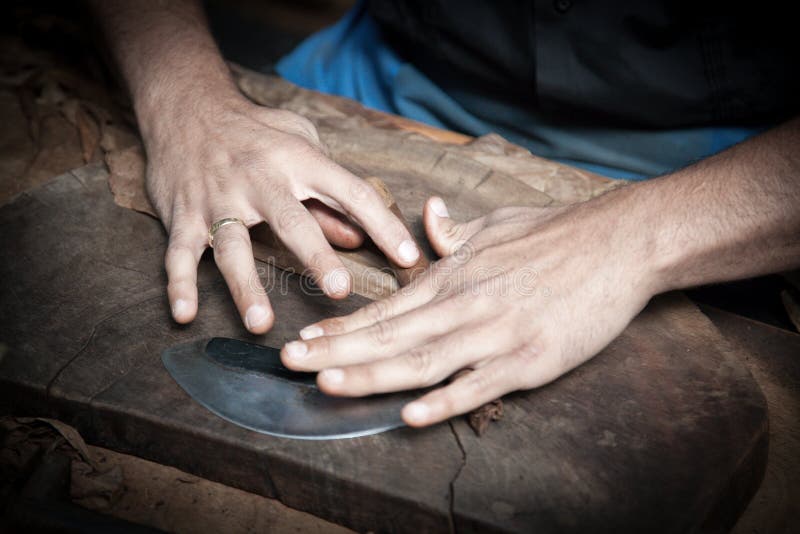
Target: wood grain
(661, 431)
(772, 356)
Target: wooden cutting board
(665, 430)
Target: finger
(233, 254)
(446, 236)
(298, 230)
(471, 391)
(382, 339)
(187, 241)
(419, 292)
(364, 205)
(335, 226)
(419, 367)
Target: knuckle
(477, 382)
(359, 191)
(228, 247)
(174, 253)
(448, 402)
(420, 362)
(442, 280)
(319, 260)
(175, 285)
(379, 311)
(382, 333)
(217, 158)
(462, 250)
(250, 158)
(364, 377)
(455, 232)
(528, 359)
(333, 325)
(529, 354)
(321, 346)
(288, 121)
(290, 149)
(290, 217)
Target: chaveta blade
(248, 385)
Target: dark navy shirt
(640, 63)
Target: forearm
(731, 216)
(165, 53)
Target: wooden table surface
(773, 357)
(665, 430)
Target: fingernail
(310, 332)
(332, 376)
(408, 251)
(438, 207)
(180, 308)
(337, 281)
(417, 412)
(296, 350)
(256, 316)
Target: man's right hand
(226, 157)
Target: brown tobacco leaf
(87, 129)
(563, 183)
(93, 483)
(89, 132)
(126, 169)
(480, 418)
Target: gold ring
(219, 224)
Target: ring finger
(233, 254)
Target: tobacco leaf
(480, 418)
(126, 178)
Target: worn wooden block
(664, 431)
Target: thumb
(445, 235)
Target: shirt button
(562, 6)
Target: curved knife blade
(248, 385)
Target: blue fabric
(352, 59)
